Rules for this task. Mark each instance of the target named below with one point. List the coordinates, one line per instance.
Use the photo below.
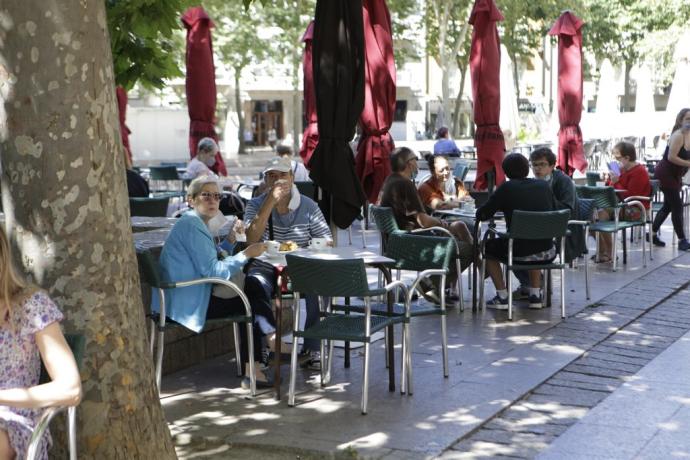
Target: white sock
(502, 293)
(534, 291)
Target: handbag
(224, 292)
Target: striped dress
(299, 225)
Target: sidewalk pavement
(494, 365)
(646, 418)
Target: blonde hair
(194, 188)
(12, 285)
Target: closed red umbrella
(485, 64)
(372, 163)
(121, 94)
(310, 137)
(571, 155)
(201, 82)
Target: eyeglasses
(208, 196)
(540, 164)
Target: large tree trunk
(65, 204)
(625, 106)
(238, 108)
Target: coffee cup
(272, 248)
(319, 243)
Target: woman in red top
(634, 179)
(432, 192)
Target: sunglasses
(208, 196)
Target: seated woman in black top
(519, 193)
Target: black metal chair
(331, 279)
(150, 271)
(77, 344)
(529, 225)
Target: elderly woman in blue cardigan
(190, 252)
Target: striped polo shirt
(301, 225)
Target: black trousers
(673, 204)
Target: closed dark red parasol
(571, 155)
(485, 64)
(201, 81)
(372, 163)
(310, 137)
(121, 94)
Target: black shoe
(535, 302)
(498, 303)
(268, 383)
(655, 240)
(683, 245)
(313, 361)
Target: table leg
(475, 274)
(347, 342)
(279, 340)
(391, 333)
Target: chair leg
(403, 361)
(509, 285)
(349, 235)
(250, 358)
(152, 337)
(586, 262)
(238, 357)
(651, 239)
(408, 337)
(365, 379)
(562, 293)
(364, 238)
(482, 300)
(323, 368)
(385, 345)
(460, 293)
(613, 250)
(159, 355)
(331, 343)
(72, 431)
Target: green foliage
(446, 26)
(404, 19)
(236, 32)
(142, 40)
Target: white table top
(339, 253)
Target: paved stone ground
(622, 333)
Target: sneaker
(521, 293)
(535, 302)
(683, 245)
(313, 363)
(265, 359)
(497, 303)
(656, 241)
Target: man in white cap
(282, 214)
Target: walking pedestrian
(669, 172)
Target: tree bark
(240, 119)
(625, 106)
(66, 210)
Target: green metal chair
(165, 179)
(655, 206)
(77, 343)
(387, 225)
(149, 206)
(150, 272)
(529, 225)
(605, 198)
(331, 279)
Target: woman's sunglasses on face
(208, 196)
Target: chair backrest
(163, 173)
(420, 252)
(604, 197)
(333, 278)
(77, 343)
(149, 269)
(655, 189)
(585, 209)
(532, 225)
(384, 219)
(149, 206)
(593, 178)
(460, 171)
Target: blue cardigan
(190, 253)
